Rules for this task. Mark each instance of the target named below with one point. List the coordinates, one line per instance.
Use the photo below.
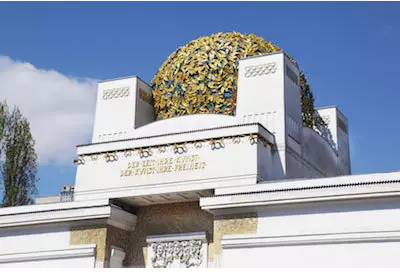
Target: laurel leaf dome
(202, 76)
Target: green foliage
(307, 102)
(18, 164)
(310, 117)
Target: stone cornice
(225, 204)
(163, 140)
(71, 252)
(52, 207)
(241, 241)
(307, 191)
(166, 187)
(316, 183)
(177, 237)
(70, 212)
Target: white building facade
(209, 190)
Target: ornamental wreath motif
(202, 77)
(186, 252)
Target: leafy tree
(18, 165)
(3, 113)
(307, 102)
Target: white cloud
(60, 109)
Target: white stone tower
(123, 104)
(268, 93)
(338, 126)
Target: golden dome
(201, 77)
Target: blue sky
(349, 52)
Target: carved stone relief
(186, 252)
(174, 218)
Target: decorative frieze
(259, 70)
(80, 160)
(110, 157)
(112, 136)
(116, 93)
(177, 148)
(188, 253)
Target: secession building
(221, 162)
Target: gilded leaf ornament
(202, 76)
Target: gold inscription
(163, 165)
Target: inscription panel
(214, 161)
(163, 165)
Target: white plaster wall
(79, 262)
(115, 116)
(50, 243)
(33, 239)
(339, 217)
(297, 167)
(270, 98)
(263, 94)
(350, 255)
(318, 152)
(273, 99)
(293, 116)
(331, 115)
(336, 234)
(344, 153)
(144, 111)
(266, 169)
(185, 123)
(261, 98)
(224, 166)
(328, 114)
